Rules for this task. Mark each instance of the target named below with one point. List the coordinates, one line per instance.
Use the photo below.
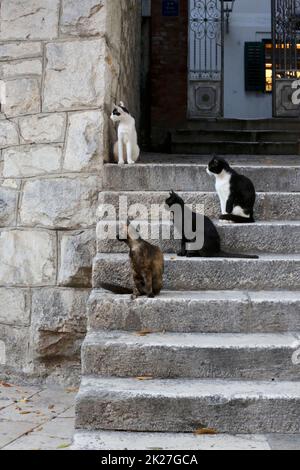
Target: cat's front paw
(121, 162)
(131, 162)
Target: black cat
(212, 243)
(236, 192)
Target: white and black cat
(212, 243)
(236, 192)
(126, 149)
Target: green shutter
(255, 66)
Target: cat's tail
(238, 219)
(223, 254)
(116, 289)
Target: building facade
(63, 63)
(213, 59)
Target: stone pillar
(62, 63)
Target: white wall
(250, 21)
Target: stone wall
(62, 64)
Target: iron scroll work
(286, 55)
(206, 58)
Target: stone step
(244, 124)
(194, 312)
(118, 440)
(264, 237)
(204, 136)
(269, 206)
(191, 355)
(269, 272)
(187, 174)
(232, 407)
(236, 148)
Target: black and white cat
(211, 243)
(236, 192)
(126, 149)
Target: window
(268, 66)
(259, 64)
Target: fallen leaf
(72, 389)
(144, 332)
(63, 446)
(25, 412)
(24, 400)
(203, 431)
(6, 385)
(50, 407)
(146, 377)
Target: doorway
(205, 59)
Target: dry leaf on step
(72, 389)
(205, 431)
(63, 446)
(144, 332)
(6, 385)
(146, 377)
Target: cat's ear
(122, 104)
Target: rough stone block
(24, 67)
(31, 160)
(268, 272)
(30, 19)
(192, 355)
(14, 347)
(205, 312)
(77, 251)
(20, 50)
(27, 258)
(22, 96)
(60, 202)
(15, 307)
(58, 321)
(83, 151)
(118, 440)
(8, 204)
(185, 405)
(42, 128)
(8, 134)
(85, 18)
(74, 75)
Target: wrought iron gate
(286, 55)
(206, 58)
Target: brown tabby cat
(147, 265)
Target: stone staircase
(215, 349)
(233, 136)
